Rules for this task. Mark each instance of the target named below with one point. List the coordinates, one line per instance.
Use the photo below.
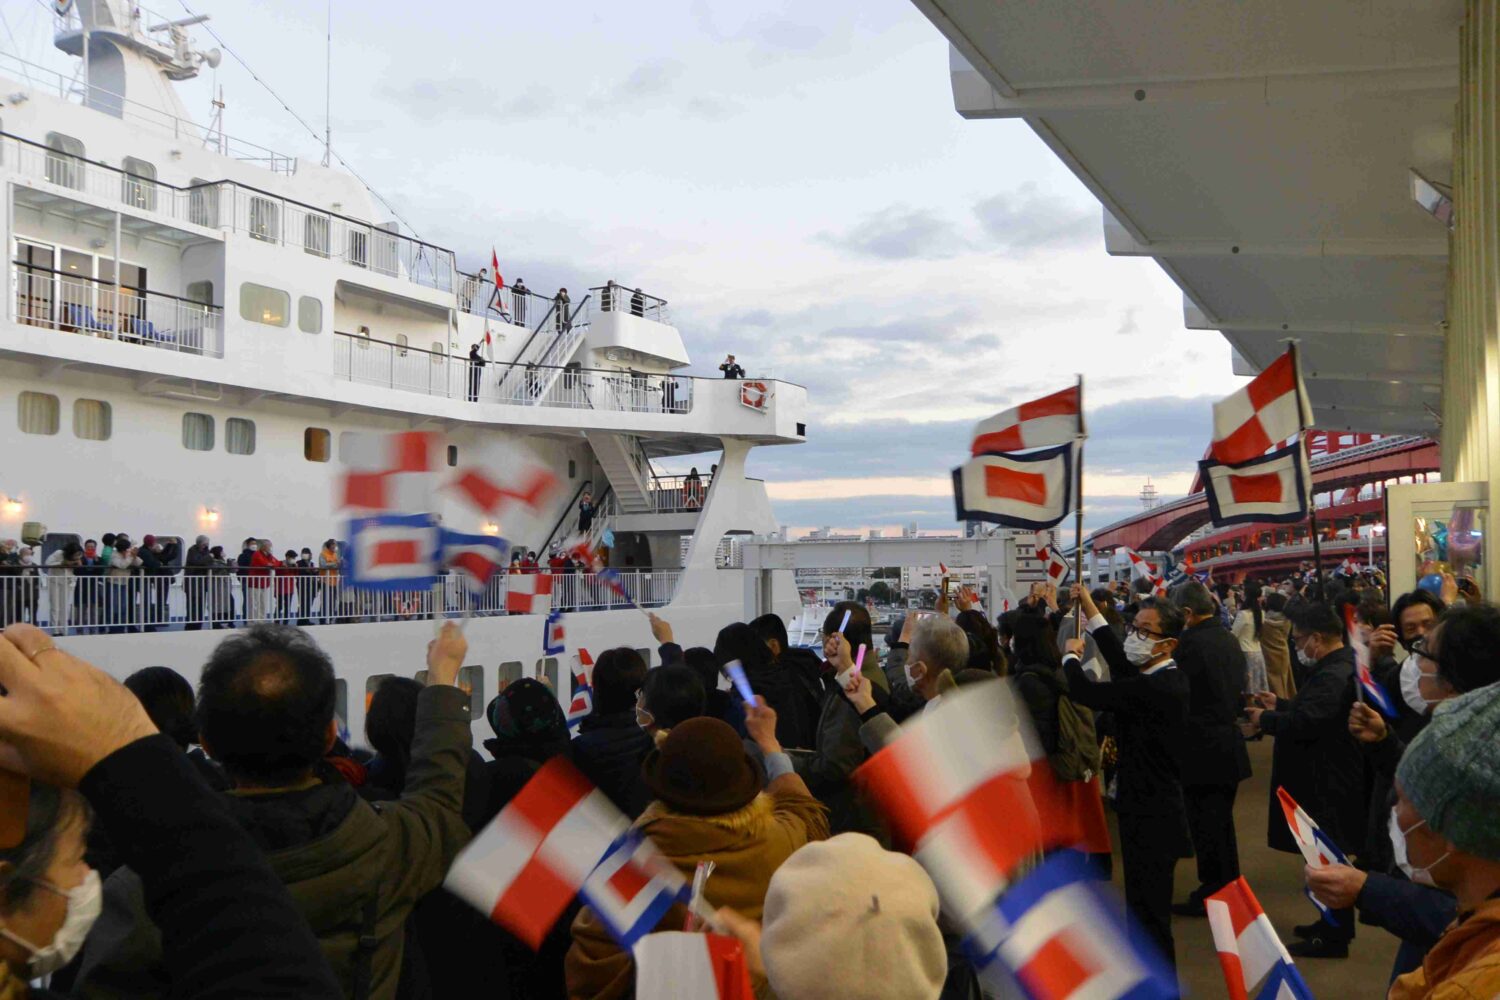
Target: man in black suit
(731, 368)
(1148, 697)
(1214, 760)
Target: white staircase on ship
(624, 462)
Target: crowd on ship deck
(233, 841)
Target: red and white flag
(528, 864)
(944, 779)
(1054, 419)
(394, 551)
(1272, 488)
(495, 270)
(671, 965)
(389, 473)
(489, 497)
(475, 558)
(1032, 490)
(528, 593)
(1140, 564)
(1046, 552)
(1248, 945)
(1263, 414)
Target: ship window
(92, 419)
(197, 432)
(437, 352)
(201, 292)
(37, 413)
(357, 250)
(239, 436)
(310, 314)
(317, 444)
(64, 160)
(452, 455)
(572, 469)
(265, 219)
(260, 304)
(401, 345)
(203, 203)
(315, 235)
(347, 440)
(138, 186)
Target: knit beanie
(1451, 772)
(846, 919)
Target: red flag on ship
(495, 267)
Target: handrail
(627, 294)
(71, 276)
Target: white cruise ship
(196, 323)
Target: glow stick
(845, 623)
(741, 682)
(859, 660)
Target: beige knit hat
(846, 919)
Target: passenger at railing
(158, 565)
(637, 303)
(561, 568)
(529, 564)
(307, 586)
(61, 566)
(258, 580)
(586, 512)
(221, 588)
(607, 295)
(476, 372)
(692, 489)
(561, 319)
(119, 603)
(329, 568)
(242, 563)
(731, 368)
(196, 565)
(286, 587)
(519, 294)
(86, 596)
(533, 380)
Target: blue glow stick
(845, 623)
(741, 682)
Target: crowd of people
(232, 842)
(128, 586)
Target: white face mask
(1411, 685)
(1421, 876)
(911, 681)
(1304, 658)
(1139, 650)
(85, 901)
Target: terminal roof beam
(873, 552)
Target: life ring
(754, 395)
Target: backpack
(1078, 756)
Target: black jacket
(1213, 751)
(609, 750)
(799, 686)
(1315, 758)
(1417, 914)
(197, 561)
(829, 767)
(220, 909)
(1149, 712)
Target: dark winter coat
(1213, 751)
(609, 750)
(1315, 758)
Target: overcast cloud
(791, 176)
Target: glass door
(35, 294)
(1435, 534)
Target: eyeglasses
(1419, 646)
(1144, 634)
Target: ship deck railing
(358, 358)
(69, 303)
(153, 119)
(65, 602)
(236, 207)
(618, 298)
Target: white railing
(617, 298)
(397, 366)
(477, 298)
(69, 603)
(676, 494)
(227, 205)
(97, 309)
(156, 120)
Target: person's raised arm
(221, 910)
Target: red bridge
(1340, 477)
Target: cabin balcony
(94, 308)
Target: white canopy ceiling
(1261, 151)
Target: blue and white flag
(1318, 849)
(611, 578)
(394, 551)
(1060, 936)
(554, 634)
(633, 888)
(475, 558)
(1284, 983)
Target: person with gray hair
(939, 649)
(1149, 698)
(1214, 759)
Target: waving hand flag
(1031, 490)
(1369, 689)
(671, 965)
(633, 888)
(554, 634)
(1054, 419)
(583, 688)
(394, 551)
(1047, 553)
(1063, 938)
(1272, 488)
(1268, 411)
(1317, 848)
(1249, 949)
(388, 473)
(475, 558)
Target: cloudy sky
(792, 177)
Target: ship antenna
(328, 92)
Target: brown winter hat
(702, 768)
